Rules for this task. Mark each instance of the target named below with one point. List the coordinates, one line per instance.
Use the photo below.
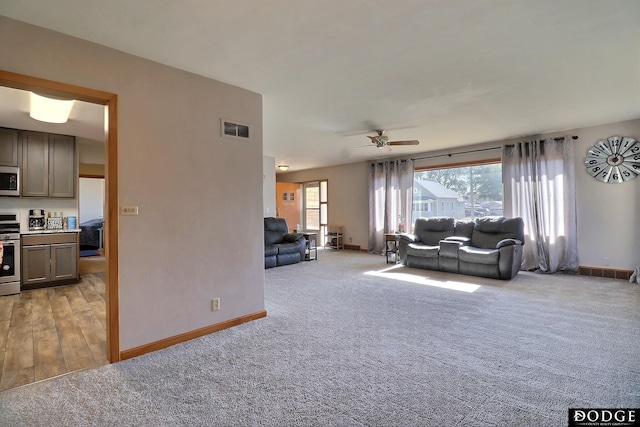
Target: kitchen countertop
(73, 230)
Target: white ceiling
(447, 72)
(86, 120)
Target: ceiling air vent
(235, 129)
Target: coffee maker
(36, 219)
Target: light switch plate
(128, 210)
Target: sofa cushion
(270, 261)
(272, 237)
(488, 231)
(285, 259)
(424, 251)
(478, 255)
(431, 230)
(288, 248)
(270, 250)
(464, 228)
(274, 230)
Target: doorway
(110, 101)
(304, 205)
(91, 217)
(315, 208)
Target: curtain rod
(480, 149)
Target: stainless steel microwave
(9, 181)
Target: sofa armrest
(293, 237)
(408, 237)
(462, 241)
(449, 248)
(404, 241)
(508, 242)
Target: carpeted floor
(347, 343)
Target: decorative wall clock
(614, 160)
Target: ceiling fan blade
(411, 142)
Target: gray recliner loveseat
(280, 246)
(487, 247)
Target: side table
(391, 247)
(311, 250)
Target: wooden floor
(52, 331)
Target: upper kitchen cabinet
(48, 165)
(35, 164)
(8, 147)
(62, 166)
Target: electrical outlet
(215, 304)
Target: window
(468, 191)
(314, 207)
(311, 208)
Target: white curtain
(539, 187)
(390, 199)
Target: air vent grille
(235, 129)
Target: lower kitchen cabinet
(49, 259)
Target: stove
(9, 253)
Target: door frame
(110, 100)
(322, 230)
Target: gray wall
(269, 186)
(192, 186)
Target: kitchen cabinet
(48, 165)
(49, 259)
(8, 147)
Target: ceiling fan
(382, 141)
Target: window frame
(452, 165)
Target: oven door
(10, 266)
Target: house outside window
(463, 192)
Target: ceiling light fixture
(283, 167)
(50, 110)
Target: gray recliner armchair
(421, 249)
(495, 249)
(280, 246)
